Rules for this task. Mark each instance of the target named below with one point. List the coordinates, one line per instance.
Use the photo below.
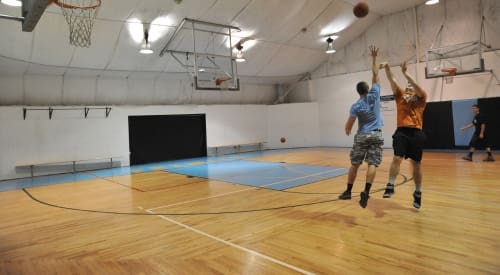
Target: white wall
(298, 123)
(69, 136)
(138, 89)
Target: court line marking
(242, 190)
(253, 252)
(108, 179)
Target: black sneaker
(345, 196)
(364, 199)
(489, 158)
(468, 158)
(417, 199)
(389, 191)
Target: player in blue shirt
(368, 141)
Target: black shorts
(479, 143)
(408, 143)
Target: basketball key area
(240, 169)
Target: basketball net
(80, 15)
(451, 73)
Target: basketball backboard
(205, 50)
(464, 58)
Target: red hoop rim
(220, 80)
(66, 6)
(450, 71)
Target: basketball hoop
(451, 73)
(80, 15)
(222, 83)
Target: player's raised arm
(390, 77)
(420, 92)
(375, 68)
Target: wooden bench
(33, 164)
(237, 147)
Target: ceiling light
(239, 54)
(329, 47)
(14, 3)
(146, 46)
(431, 2)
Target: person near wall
(368, 140)
(408, 139)
(478, 139)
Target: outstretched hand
(404, 67)
(373, 50)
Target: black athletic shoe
(417, 199)
(364, 199)
(467, 158)
(345, 196)
(489, 158)
(389, 191)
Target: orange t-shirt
(410, 109)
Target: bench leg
(74, 166)
(31, 170)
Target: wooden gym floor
(153, 223)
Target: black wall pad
(490, 107)
(438, 125)
(166, 137)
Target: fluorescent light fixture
(239, 54)
(240, 36)
(329, 47)
(334, 36)
(431, 2)
(239, 57)
(146, 48)
(14, 3)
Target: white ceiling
(289, 35)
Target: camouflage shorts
(367, 147)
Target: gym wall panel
(11, 91)
(43, 89)
(298, 123)
(111, 90)
(462, 115)
(79, 91)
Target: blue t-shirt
(367, 111)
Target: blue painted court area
(235, 168)
(272, 175)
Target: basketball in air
(360, 9)
(283, 140)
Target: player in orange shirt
(408, 140)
